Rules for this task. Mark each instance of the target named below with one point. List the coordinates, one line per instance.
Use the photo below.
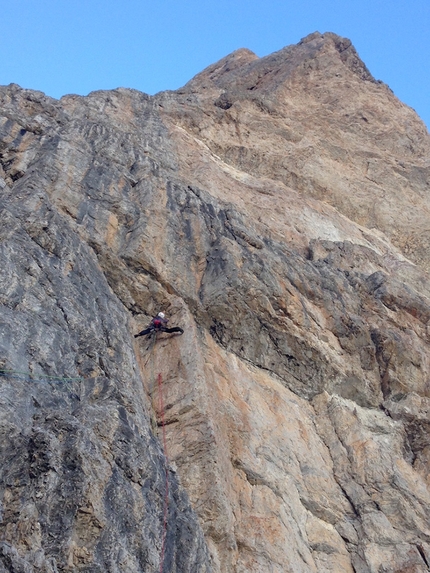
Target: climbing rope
(166, 490)
(152, 381)
(164, 440)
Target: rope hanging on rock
(164, 440)
(152, 380)
(166, 491)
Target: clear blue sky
(77, 46)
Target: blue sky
(77, 46)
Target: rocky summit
(278, 210)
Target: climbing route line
(166, 490)
(152, 381)
(29, 377)
(156, 386)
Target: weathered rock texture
(278, 209)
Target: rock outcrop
(278, 210)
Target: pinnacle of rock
(276, 209)
(244, 70)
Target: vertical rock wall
(83, 475)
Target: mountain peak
(222, 70)
(243, 70)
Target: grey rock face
(83, 477)
(296, 402)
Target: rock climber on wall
(159, 324)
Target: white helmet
(161, 314)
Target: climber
(159, 324)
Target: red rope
(166, 494)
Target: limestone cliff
(278, 209)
